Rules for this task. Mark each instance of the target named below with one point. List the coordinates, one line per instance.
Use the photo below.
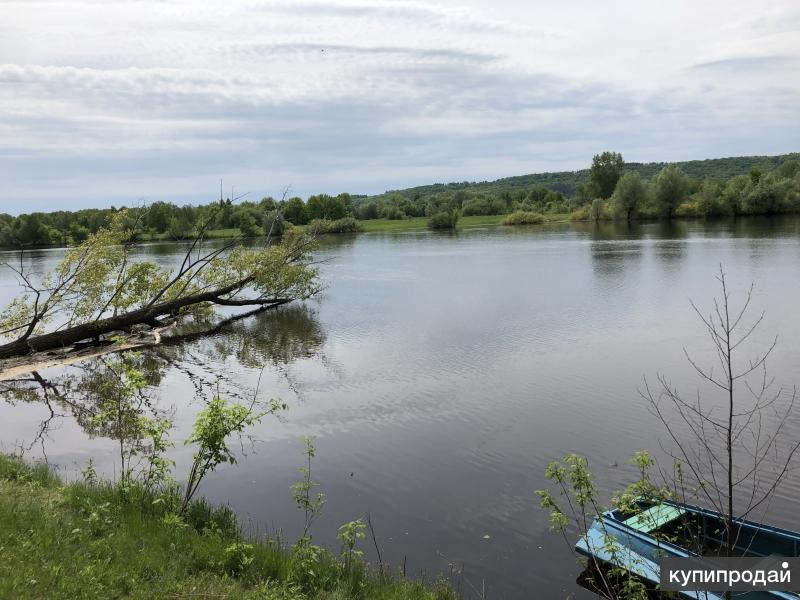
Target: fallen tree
(100, 287)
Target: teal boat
(638, 542)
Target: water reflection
(615, 249)
(273, 337)
(95, 394)
(610, 230)
(198, 353)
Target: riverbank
(411, 224)
(97, 540)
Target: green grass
(99, 541)
(389, 225)
(421, 223)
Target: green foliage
(540, 192)
(115, 392)
(788, 169)
(248, 226)
(445, 219)
(710, 200)
(274, 224)
(484, 206)
(302, 491)
(238, 557)
(670, 188)
(604, 173)
(99, 279)
(295, 211)
(368, 211)
(211, 430)
(81, 540)
(641, 490)
(327, 207)
(180, 228)
(629, 195)
(349, 534)
(575, 507)
(524, 217)
(344, 225)
(581, 214)
(597, 210)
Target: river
(440, 373)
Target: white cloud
(105, 101)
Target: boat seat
(654, 517)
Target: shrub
(688, 209)
(765, 198)
(444, 220)
(580, 214)
(345, 225)
(524, 217)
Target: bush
(765, 198)
(345, 225)
(524, 217)
(688, 209)
(444, 220)
(580, 214)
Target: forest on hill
(568, 182)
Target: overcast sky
(109, 102)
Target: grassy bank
(367, 226)
(95, 540)
(421, 223)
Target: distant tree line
(614, 191)
(164, 220)
(609, 189)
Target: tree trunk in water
(71, 335)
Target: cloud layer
(112, 102)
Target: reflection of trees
(675, 229)
(89, 390)
(96, 393)
(615, 246)
(274, 337)
(609, 230)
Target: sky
(106, 102)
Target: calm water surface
(440, 374)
